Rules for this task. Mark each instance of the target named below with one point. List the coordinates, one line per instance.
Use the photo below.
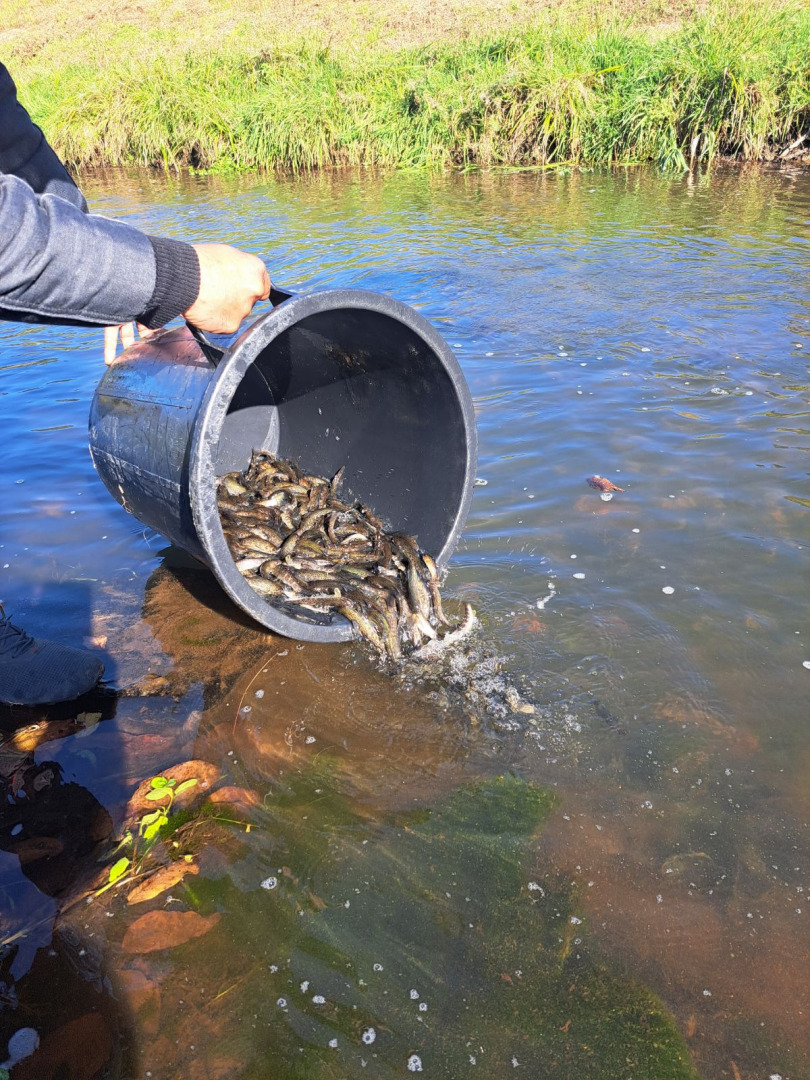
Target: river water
(579, 848)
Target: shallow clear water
(640, 901)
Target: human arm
(58, 264)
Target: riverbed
(578, 847)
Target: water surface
(582, 843)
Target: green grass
(733, 81)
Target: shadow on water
(57, 997)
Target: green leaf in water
(159, 793)
(118, 869)
(154, 828)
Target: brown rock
(237, 797)
(203, 772)
(164, 878)
(165, 930)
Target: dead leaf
(528, 624)
(164, 878)
(602, 484)
(165, 930)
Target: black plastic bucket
(335, 378)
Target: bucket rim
(211, 414)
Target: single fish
(363, 623)
(256, 545)
(266, 586)
(245, 565)
(433, 588)
(233, 486)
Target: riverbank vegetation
(519, 86)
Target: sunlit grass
(564, 91)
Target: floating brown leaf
(603, 484)
(165, 930)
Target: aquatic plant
(421, 939)
(732, 81)
(164, 790)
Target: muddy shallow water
(579, 846)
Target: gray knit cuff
(177, 281)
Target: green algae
(357, 946)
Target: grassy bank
(568, 87)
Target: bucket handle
(213, 346)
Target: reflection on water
(581, 843)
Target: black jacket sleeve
(60, 264)
(25, 153)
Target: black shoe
(37, 672)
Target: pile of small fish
(295, 541)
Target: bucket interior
(345, 385)
(359, 389)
